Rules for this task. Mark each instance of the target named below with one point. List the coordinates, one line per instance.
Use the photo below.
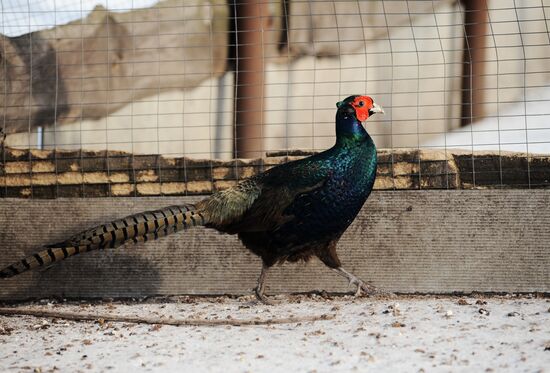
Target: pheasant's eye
(361, 103)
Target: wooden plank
(404, 241)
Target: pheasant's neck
(354, 141)
(355, 148)
(350, 132)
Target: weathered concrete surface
(406, 241)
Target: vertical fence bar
(251, 16)
(475, 28)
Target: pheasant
(292, 212)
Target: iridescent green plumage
(291, 212)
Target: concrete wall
(406, 241)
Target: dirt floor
(379, 334)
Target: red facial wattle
(362, 105)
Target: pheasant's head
(352, 112)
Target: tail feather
(141, 227)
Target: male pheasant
(291, 212)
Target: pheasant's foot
(362, 286)
(262, 298)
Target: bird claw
(362, 287)
(263, 299)
(366, 288)
(354, 280)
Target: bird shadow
(118, 274)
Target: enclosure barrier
(54, 174)
(116, 107)
(449, 235)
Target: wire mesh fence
(127, 97)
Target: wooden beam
(476, 16)
(252, 19)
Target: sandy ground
(384, 334)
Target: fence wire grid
(138, 97)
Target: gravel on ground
(420, 333)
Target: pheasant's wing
(229, 205)
(259, 203)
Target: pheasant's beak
(376, 109)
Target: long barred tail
(141, 227)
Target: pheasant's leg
(361, 285)
(328, 255)
(259, 290)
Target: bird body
(291, 212)
(312, 208)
